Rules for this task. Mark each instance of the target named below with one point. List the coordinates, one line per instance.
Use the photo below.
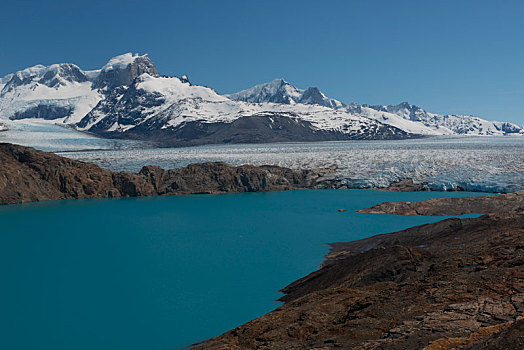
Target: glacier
(50, 137)
(484, 164)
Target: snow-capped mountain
(407, 117)
(280, 91)
(60, 91)
(178, 112)
(128, 98)
(122, 70)
(65, 93)
(449, 124)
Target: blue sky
(446, 56)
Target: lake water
(165, 272)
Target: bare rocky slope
(454, 284)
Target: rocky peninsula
(454, 284)
(506, 203)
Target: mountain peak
(129, 93)
(280, 91)
(60, 74)
(277, 81)
(123, 69)
(404, 104)
(313, 96)
(52, 76)
(276, 91)
(122, 61)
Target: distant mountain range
(128, 98)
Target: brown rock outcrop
(454, 284)
(405, 185)
(504, 203)
(28, 175)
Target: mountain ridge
(129, 98)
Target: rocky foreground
(454, 284)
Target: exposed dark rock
(508, 128)
(53, 77)
(276, 91)
(510, 202)
(448, 285)
(405, 185)
(510, 337)
(313, 96)
(125, 106)
(28, 175)
(65, 71)
(129, 111)
(280, 91)
(112, 78)
(266, 128)
(48, 112)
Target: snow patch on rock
(121, 61)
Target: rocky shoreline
(505, 203)
(454, 284)
(28, 175)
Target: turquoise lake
(165, 272)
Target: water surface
(164, 272)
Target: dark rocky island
(454, 284)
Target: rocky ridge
(507, 203)
(28, 175)
(405, 116)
